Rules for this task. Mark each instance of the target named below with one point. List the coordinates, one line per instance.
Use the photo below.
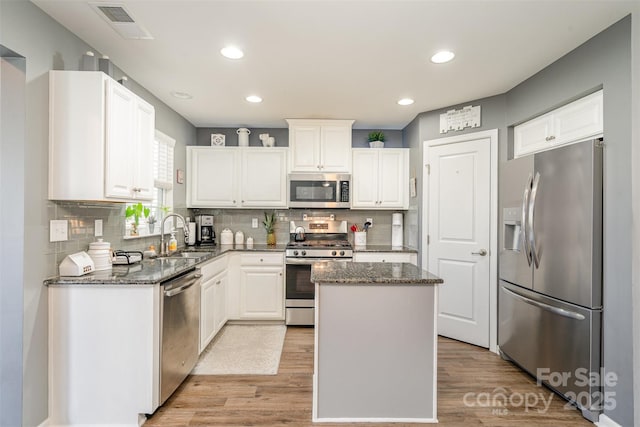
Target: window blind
(163, 161)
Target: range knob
(333, 253)
(341, 253)
(295, 253)
(304, 253)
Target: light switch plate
(98, 228)
(254, 223)
(58, 230)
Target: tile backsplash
(82, 216)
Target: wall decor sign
(466, 117)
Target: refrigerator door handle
(524, 227)
(532, 208)
(556, 310)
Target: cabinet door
(120, 152)
(207, 312)
(220, 301)
(304, 142)
(393, 178)
(534, 135)
(365, 178)
(212, 180)
(264, 178)
(579, 120)
(261, 293)
(335, 148)
(145, 130)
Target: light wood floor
(285, 399)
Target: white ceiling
(334, 59)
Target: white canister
(100, 253)
(239, 238)
(226, 237)
(249, 242)
(243, 137)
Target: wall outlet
(369, 220)
(58, 230)
(97, 228)
(254, 223)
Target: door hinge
(428, 166)
(428, 239)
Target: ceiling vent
(121, 20)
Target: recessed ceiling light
(231, 52)
(181, 95)
(253, 98)
(405, 101)
(442, 57)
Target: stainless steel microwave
(319, 190)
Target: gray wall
(12, 118)
(358, 137)
(46, 46)
(635, 160)
(604, 61)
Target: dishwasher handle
(180, 289)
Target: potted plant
(136, 211)
(269, 223)
(376, 139)
(151, 220)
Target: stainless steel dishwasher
(180, 327)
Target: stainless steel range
(314, 239)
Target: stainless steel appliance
(319, 190)
(311, 240)
(205, 235)
(550, 297)
(180, 330)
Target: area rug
(243, 350)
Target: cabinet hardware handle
(261, 260)
(550, 138)
(234, 202)
(218, 282)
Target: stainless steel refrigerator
(550, 268)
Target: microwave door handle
(532, 209)
(524, 223)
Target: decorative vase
(152, 228)
(271, 239)
(134, 229)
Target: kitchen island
(375, 343)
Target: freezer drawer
(547, 337)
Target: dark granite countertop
(155, 270)
(383, 248)
(389, 273)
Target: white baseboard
(45, 423)
(604, 421)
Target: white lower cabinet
(261, 287)
(408, 257)
(213, 299)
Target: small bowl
(376, 144)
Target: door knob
(481, 252)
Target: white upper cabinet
(320, 145)
(380, 178)
(100, 139)
(573, 122)
(236, 177)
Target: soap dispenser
(173, 243)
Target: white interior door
(459, 237)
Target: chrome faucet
(163, 249)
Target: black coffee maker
(205, 235)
